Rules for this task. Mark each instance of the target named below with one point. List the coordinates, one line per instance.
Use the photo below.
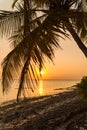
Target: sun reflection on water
(40, 90)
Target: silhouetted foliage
(82, 88)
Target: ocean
(45, 87)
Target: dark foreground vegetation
(65, 111)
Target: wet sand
(65, 111)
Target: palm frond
(15, 2)
(41, 3)
(81, 22)
(10, 21)
(41, 40)
(13, 61)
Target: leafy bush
(82, 88)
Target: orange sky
(70, 63)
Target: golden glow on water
(40, 90)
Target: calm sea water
(45, 87)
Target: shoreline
(53, 112)
(63, 90)
(46, 87)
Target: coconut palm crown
(34, 28)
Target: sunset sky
(70, 63)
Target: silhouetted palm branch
(32, 50)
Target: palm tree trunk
(80, 44)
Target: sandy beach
(65, 111)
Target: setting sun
(42, 72)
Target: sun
(42, 72)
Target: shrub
(82, 88)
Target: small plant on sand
(82, 88)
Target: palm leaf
(10, 22)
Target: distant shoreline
(47, 87)
(55, 79)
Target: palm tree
(35, 35)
